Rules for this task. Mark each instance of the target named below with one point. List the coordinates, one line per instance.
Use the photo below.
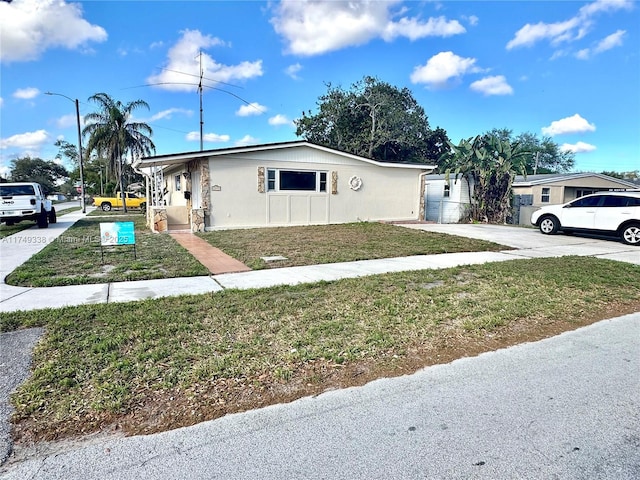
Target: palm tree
(489, 164)
(113, 135)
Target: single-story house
(553, 188)
(278, 184)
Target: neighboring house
(449, 202)
(446, 202)
(536, 191)
(553, 188)
(290, 183)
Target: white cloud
(611, 41)
(1, 102)
(168, 114)
(182, 70)
(574, 124)
(26, 141)
(292, 70)
(496, 85)
(280, 120)
(312, 28)
(252, 109)
(26, 93)
(246, 140)
(67, 121)
(30, 27)
(607, 43)
(569, 30)
(442, 67)
(207, 137)
(580, 147)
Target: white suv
(608, 213)
(25, 201)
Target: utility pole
(200, 92)
(82, 199)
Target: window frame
(274, 180)
(545, 195)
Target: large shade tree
(113, 136)
(489, 164)
(373, 119)
(47, 173)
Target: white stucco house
(278, 184)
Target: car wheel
(43, 218)
(630, 234)
(106, 207)
(52, 216)
(549, 225)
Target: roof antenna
(200, 92)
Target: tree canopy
(489, 164)
(47, 173)
(543, 154)
(113, 135)
(376, 120)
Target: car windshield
(11, 190)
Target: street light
(82, 202)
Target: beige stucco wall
(386, 193)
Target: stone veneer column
(160, 223)
(205, 184)
(197, 220)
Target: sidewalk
(17, 251)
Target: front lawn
(312, 245)
(75, 258)
(159, 364)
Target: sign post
(117, 233)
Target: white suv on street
(607, 213)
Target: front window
(546, 194)
(296, 180)
(447, 190)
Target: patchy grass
(312, 245)
(75, 258)
(6, 230)
(159, 364)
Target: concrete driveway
(530, 242)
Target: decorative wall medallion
(355, 183)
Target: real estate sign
(117, 233)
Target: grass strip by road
(159, 364)
(318, 244)
(74, 258)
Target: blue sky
(565, 69)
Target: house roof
(178, 158)
(546, 178)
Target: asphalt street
(567, 407)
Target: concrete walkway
(527, 243)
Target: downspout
(147, 177)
